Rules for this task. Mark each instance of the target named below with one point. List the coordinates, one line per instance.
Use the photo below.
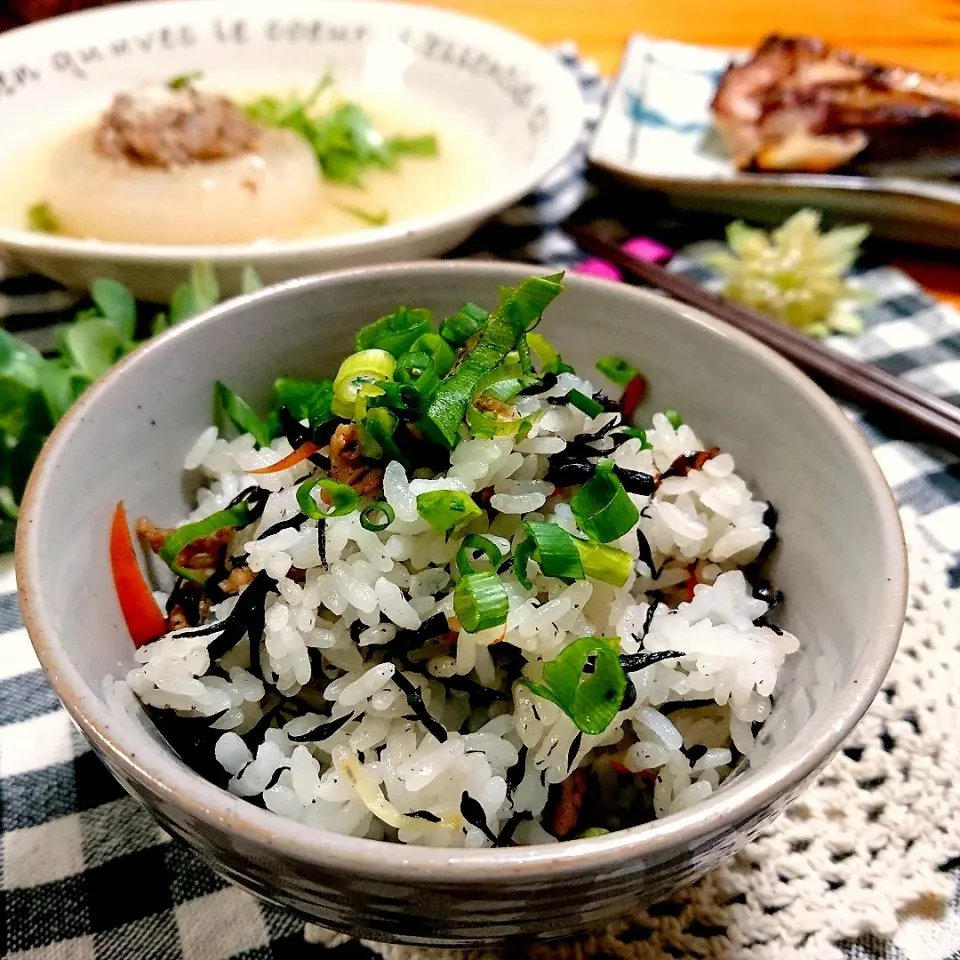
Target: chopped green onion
(603, 562)
(343, 499)
(555, 551)
(376, 437)
(550, 360)
(637, 434)
(439, 351)
(182, 537)
(560, 554)
(417, 369)
(395, 333)
(584, 404)
(445, 510)
(519, 307)
(521, 557)
(523, 352)
(590, 700)
(617, 369)
(490, 425)
(459, 328)
(480, 601)
(369, 512)
(473, 542)
(602, 508)
(676, 421)
(305, 399)
(359, 370)
(592, 832)
(240, 412)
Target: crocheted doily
(861, 851)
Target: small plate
(519, 106)
(657, 131)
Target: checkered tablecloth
(85, 874)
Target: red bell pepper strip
(305, 450)
(140, 610)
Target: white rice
(327, 637)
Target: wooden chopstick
(919, 415)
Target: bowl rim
(566, 131)
(173, 783)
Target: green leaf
(61, 386)
(240, 413)
(93, 346)
(250, 281)
(160, 323)
(117, 305)
(201, 293)
(42, 219)
(203, 281)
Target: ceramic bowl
(519, 105)
(840, 562)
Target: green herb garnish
(346, 142)
(378, 219)
(42, 219)
(183, 80)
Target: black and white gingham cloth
(85, 874)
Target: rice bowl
(839, 563)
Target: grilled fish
(799, 104)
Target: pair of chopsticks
(912, 412)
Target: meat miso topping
(175, 128)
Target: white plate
(518, 101)
(657, 130)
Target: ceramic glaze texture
(840, 563)
(515, 101)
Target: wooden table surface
(921, 33)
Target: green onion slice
(555, 551)
(550, 361)
(473, 542)
(584, 404)
(617, 369)
(305, 399)
(637, 434)
(376, 437)
(236, 516)
(676, 421)
(445, 510)
(344, 499)
(602, 508)
(480, 601)
(590, 700)
(358, 371)
(241, 414)
(488, 425)
(459, 328)
(602, 562)
(368, 516)
(438, 350)
(395, 333)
